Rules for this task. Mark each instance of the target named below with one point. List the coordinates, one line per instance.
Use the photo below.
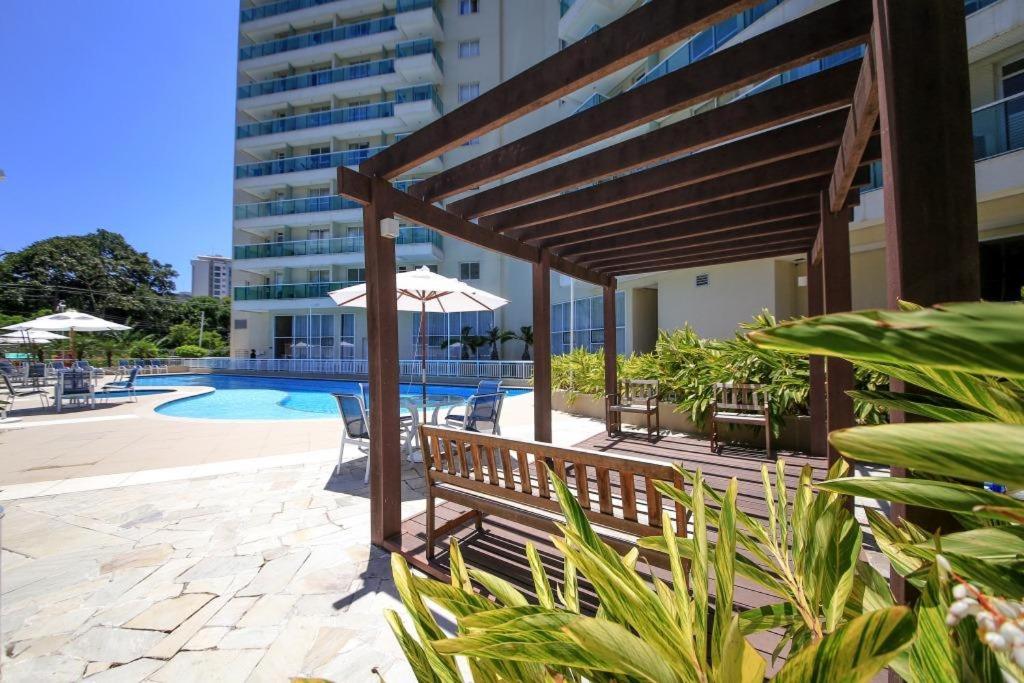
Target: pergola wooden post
(816, 402)
(382, 342)
(611, 351)
(836, 298)
(928, 171)
(542, 349)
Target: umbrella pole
(73, 346)
(423, 356)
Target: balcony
(579, 15)
(415, 61)
(303, 41)
(998, 127)
(993, 27)
(290, 207)
(411, 107)
(299, 290)
(311, 169)
(332, 246)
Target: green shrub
(190, 351)
(688, 366)
(144, 348)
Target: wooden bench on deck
(497, 476)
(744, 404)
(638, 396)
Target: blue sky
(118, 114)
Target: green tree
(190, 351)
(526, 336)
(495, 337)
(467, 341)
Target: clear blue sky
(118, 114)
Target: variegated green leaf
(503, 591)
(1000, 544)
(932, 656)
(622, 652)
(725, 561)
(744, 567)
(855, 652)
(939, 495)
(413, 651)
(768, 617)
(741, 663)
(933, 407)
(540, 578)
(971, 451)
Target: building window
(469, 271)
(469, 48)
(469, 6)
(451, 326)
(471, 142)
(241, 324)
(313, 336)
(587, 330)
(357, 275)
(468, 91)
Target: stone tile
(207, 638)
(56, 668)
(96, 667)
(146, 556)
(132, 672)
(328, 643)
(222, 666)
(232, 612)
(275, 574)
(270, 610)
(176, 640)
(106, 644)
(52, 621)
(257, 638)
(167, 615)
(215, 567)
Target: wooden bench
(638, 396)
(744, 404)
(497, 476)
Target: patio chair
(482, 412)
(121, 385)
(636, 396)
(356, 428)
(160, 366)
(36, 375)
(487, 386)
(74, 385)
(13, 393)
(745, 404)
(85, 366)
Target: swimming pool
(237, 397)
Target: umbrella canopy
(424, 291)
(30, 337)
(69, 321)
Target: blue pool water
(271, 398)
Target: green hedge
(687, 367)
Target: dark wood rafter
(700, 261)
(807, 135)
(796, 236)
(705, 230)
(825, 31)
(860, 123)
(644, 31)
(355, 186)
(816, 165)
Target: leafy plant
(190, 351)
(968, 360)
(495, 337)
(657, 632)
(144, 348)
(526, 336)
(467, 342)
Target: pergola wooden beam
(356, 186)
(860, 123)
(825, 31)
(795, 240)
(814, 165)
(775, 195)
(646, 30)
(722, 240)
(697, 262)
(808, 135)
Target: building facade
(715, 299)
(211, 276)
(325, 83)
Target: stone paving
(253, 576)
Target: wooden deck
(500, 549)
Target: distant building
(211, 276)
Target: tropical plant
(526, 336)
(495, 337)
(467, 342)
(190, 351)
(969, 361)
(645, 632)
(144, 348)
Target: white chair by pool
(355, 428)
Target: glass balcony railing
(312, 162)
(377, 110)
(331, 35)
(422, 46)
(706, 42)
(287, 207)
(275, 8)
(972, 6)
(998, 128)
(315, 78)
(334, 245)
(297, 290)
(564, 6)
(592, 101)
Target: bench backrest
(637, 391)
(740, 397)
(616, 491)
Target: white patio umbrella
(69, 321)
(426, 292)
(30, 337)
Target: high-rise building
(211, 276)
(325, 83)
(715, 299)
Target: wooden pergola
(769, 175)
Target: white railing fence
(462, 369)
